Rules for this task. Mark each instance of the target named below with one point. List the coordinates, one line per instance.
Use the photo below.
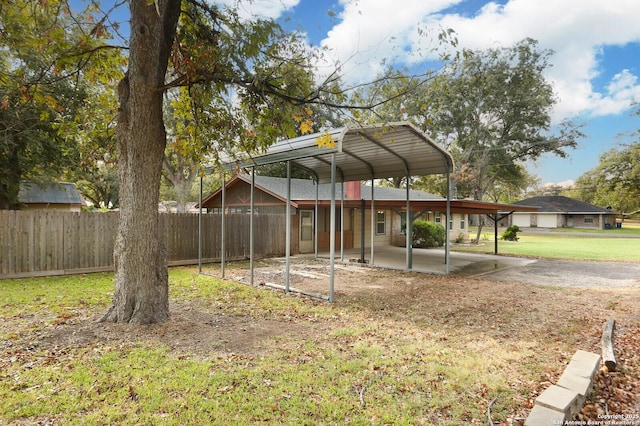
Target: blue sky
(595, 69)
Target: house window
(462, 221)
(306, 225)
(588, 219)
(438, 217)
(381, 223)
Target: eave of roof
(431, 202)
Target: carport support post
(495, 234)
(251, 224)
(332, 236)
(342, 222)
(362, 229)
(315, 221)
(447, 259)
(200, 228)
(373, 220)
(223, 225)
(288, 230)
(409, 231)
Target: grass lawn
(574, 245)
(233, 354)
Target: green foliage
(511, 233)
(427, 234)
(245, 83)
(51, 72)
(495, 105)
(615, 181)
(491, 110)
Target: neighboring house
(563, 212)
(270, 197)
(54, 196)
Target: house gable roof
(303, 194)
(561, 204)
(55, 193)
(305, 190)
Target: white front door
(306, 231)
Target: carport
(347, 154)
(359, 154)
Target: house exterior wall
(238, 200)
(379, 239)
(458, 228)
(595, 221)
(553, 220)
(55, 207)
(324, 228)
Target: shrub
(511, 233)
(427, 234)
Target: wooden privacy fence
(41, 242)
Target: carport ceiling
(362, 153)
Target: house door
(306, 231)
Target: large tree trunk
(141, 278)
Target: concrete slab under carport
(433, 260)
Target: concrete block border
(559, 403)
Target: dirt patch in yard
(191, 329)
(529, 306)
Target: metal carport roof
(361, 153)
(353, 154)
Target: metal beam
(251, 223)
(223, 224)
(200, 228)
(288, 230)
(409, 230)
(332, 237)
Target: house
(55, 196)
(389, 204)
(562, 212)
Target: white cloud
(577, 30)
(569, 183)
(249, 9)
(370, 31)
(622, 91)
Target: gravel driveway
(568, 273)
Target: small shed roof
(362, 153)
(55, 193)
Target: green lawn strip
(630, 230)
(562, 246)
(31, 305)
